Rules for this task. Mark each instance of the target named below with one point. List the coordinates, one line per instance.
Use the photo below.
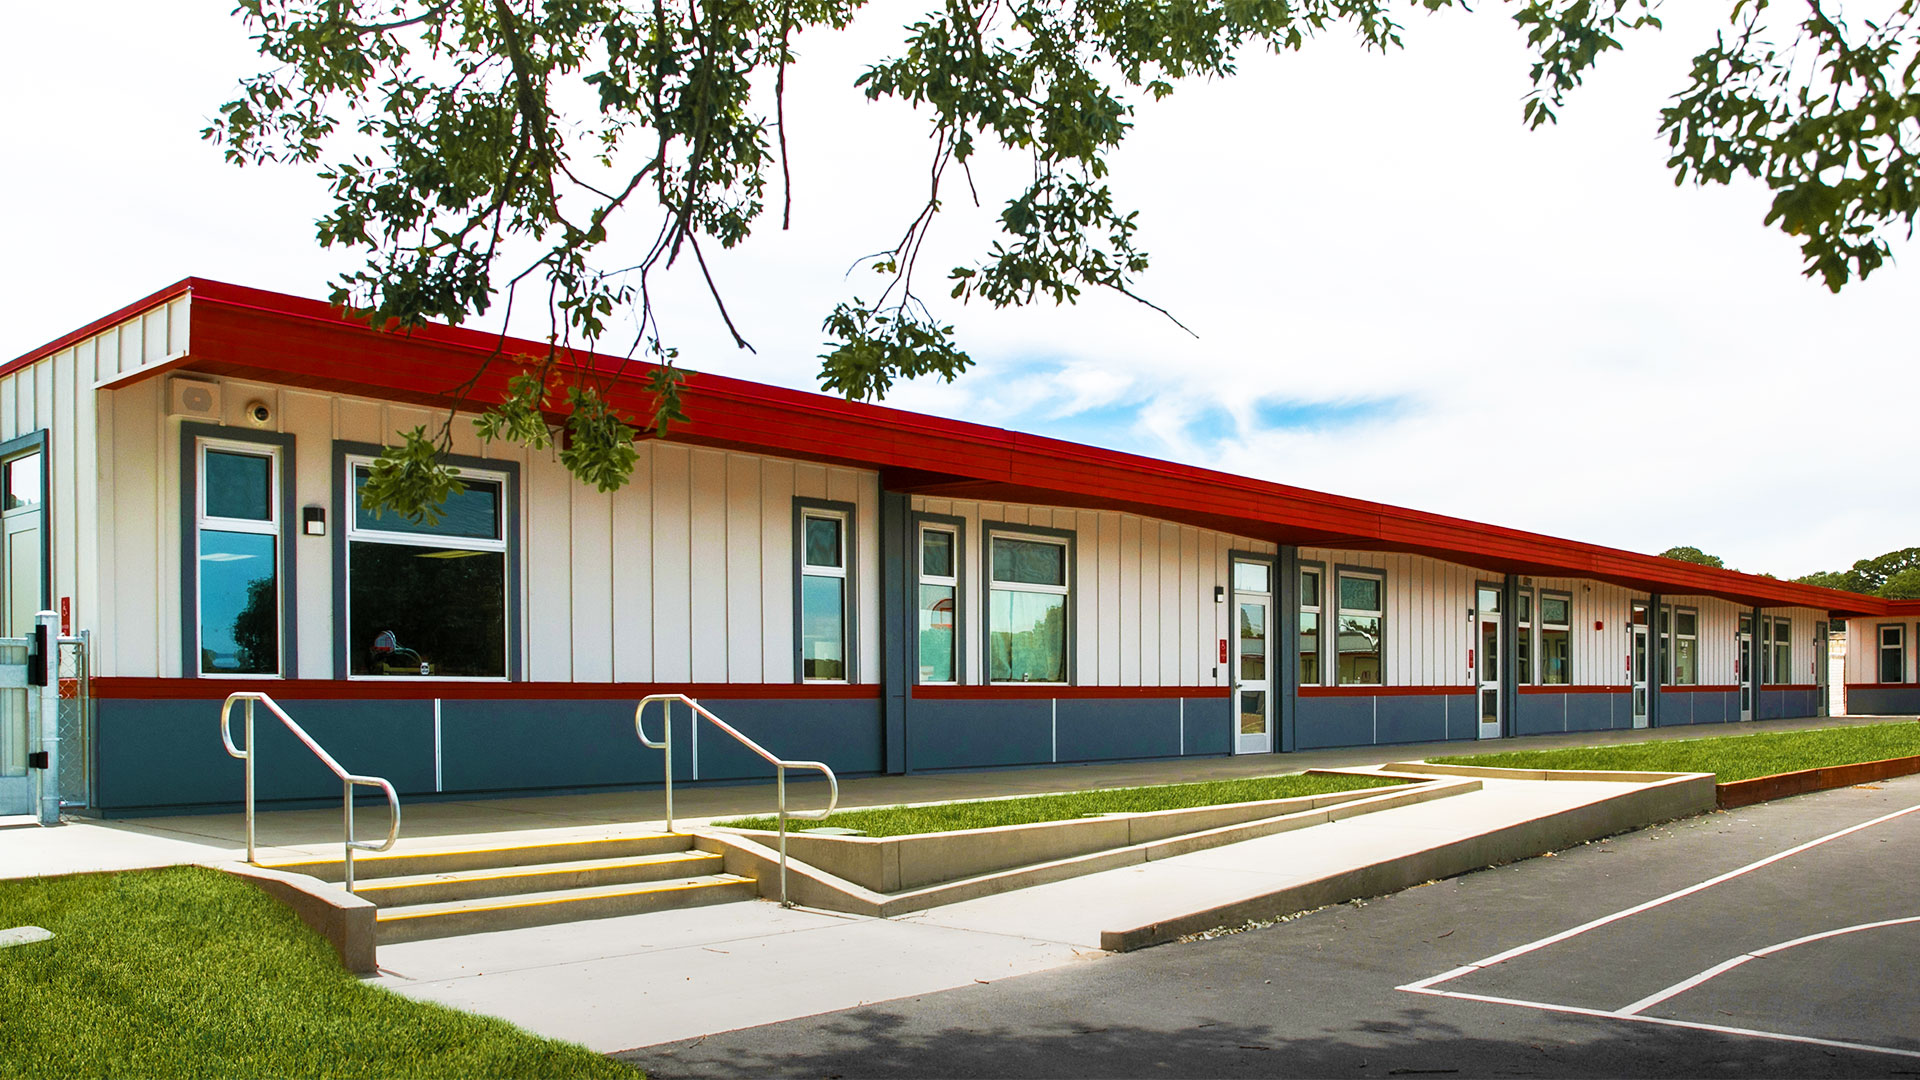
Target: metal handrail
(347, 780)
(780, 767)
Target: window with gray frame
(1556, 640)
(823, 595)
(1027, 608)
(428, 598)
(1782, 650)
(238, 555)
(1361, 639)
(939, 596)
(1523, 638)
(1686, 647)
(1893, 654)
(1310, 626)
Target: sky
(1396, 290)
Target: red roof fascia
(254, 333)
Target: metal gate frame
(75, 720)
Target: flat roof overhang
(253, 334)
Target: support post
(47, 625)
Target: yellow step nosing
(385, 856)
(530, 870)
(401, 914)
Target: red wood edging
(1781, 785)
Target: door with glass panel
(23, 578)
(1487, 649)
(1253, 616)
(1637, 665)
(1822, 655)
(1746, 667)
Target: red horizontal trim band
(1383, 691)
(1025, 692)
(1702, 689)
(1883, 686)
(377, 690)
(1786, 686)
(1575, 689)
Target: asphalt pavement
(1547, 967)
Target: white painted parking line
(1725, 966)
(1634, 1012)
(1564, 935)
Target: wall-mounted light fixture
(313, 520)
(1219, 594)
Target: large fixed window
(1686, 647)
(1893, 653)
(1556, 640)
(1027, 608)
(823, 594)
(428, 598)
(939, 599)
(1362, 628)
(1310, 600)
(237, 555)
(1782, 650)
(1523, 638)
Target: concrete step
(415, 922)
(389, 864)
(542, 877)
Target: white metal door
(18, 711)
(1746, 668)
(1487, 646)
(1637, 665)
(1253, 614)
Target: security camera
(259, 414)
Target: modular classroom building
(884, 591)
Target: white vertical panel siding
(1599, 656)
(744, 537)
(632, 577)
(776, 571)
(672, 585)
(157, 337)
(590, 560)
(1804, 652)
(1425, 605)
(707, 566)
(1143, 591)
(1863, 648)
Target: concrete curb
(747, 855)
(1662, 799)
(345, 920)
(1781, 785)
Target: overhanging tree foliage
(441, 128)
(1895, 575)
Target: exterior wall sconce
(1219, 594)
(313, 520)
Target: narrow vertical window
(1666, 643)
(1686, 647)
(1362, 629)
(1782, 650)
(1893, 654)
(1556, 640)
(939, 593)
(1310, 628)
(823, 595)
(1027, 610)
(238, 557)
(428, 599)
(1523, 639)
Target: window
(1523, 638)
(823, 595)
(1782, 650)
(237, 556)
(1893, 654)
(1556, 640)
(1027, 609)
(1310, 627)
(939, 593)
(1361, 629)
(428, 598)
(1686, 647)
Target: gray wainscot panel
(964, 734)
(1105, 730)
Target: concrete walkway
(616, 984)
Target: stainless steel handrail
(347, 780)
(780, 768)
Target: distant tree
(1694, 555)
(1904, 585)
(1895, 575)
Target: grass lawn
(190, 972)
(987, 813)
(1728, 757)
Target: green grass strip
(188, 972)
(988, 813)
(1728, 757)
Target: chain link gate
(76, 720)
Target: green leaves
(410, 480)
(878, 346)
